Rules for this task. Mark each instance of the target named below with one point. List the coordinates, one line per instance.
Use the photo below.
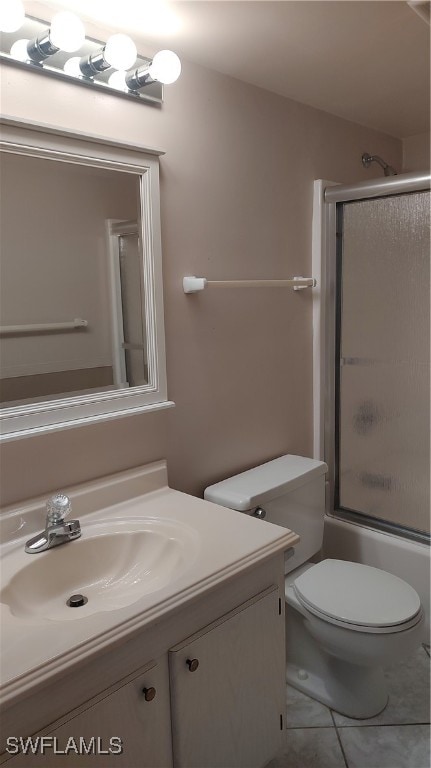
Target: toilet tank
(291, 492)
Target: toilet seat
(358, 597)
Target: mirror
(70, 244)
(80, 288)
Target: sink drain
(75, 601)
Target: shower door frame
(327, 195)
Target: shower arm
(367, 159)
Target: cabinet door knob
(149, 693)
(192, 664)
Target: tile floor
(317, 737)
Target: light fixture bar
(39, 52)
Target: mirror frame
(44, 141)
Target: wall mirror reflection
(81, 313)
(72, 315)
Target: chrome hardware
(260, 513)
(367, 159)
(57, 507)
(192, 664)
(56, 530)
(149, 693)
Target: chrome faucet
(56, 530)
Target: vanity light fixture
(66, 33)
(118, 53)
(12, 15)
(117, 80)
(113, 66)
(164, 68)
(19, 50)
(71, 66)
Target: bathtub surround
(236, 197)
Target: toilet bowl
(344, 620)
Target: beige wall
(416, 153)
(236, 187)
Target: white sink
(146, 553)
(113, 564)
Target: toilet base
(357, 692)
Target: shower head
(387, 169)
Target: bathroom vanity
(180, 662)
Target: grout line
(339, 739)
(311, 727)
(382, 725)
(342, 748)
(306, 727)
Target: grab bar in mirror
(43, 327)
(193, 284)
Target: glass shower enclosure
(378, 440)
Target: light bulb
(19, 50)
(12, 15)
(71, 67)
(118, 80)
(120, 51)
(67, 31)
(165, 67)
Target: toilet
(344, 620)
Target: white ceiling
(364, 60)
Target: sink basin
(113, 565)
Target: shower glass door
(382, 452)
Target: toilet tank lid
(268, 481)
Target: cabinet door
(227, 710)
(142, 726)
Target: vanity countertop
(222, 543)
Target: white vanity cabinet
(228, 689)
(215, 700)
(133, 715)
(209, 640)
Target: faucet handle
(57, 507)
